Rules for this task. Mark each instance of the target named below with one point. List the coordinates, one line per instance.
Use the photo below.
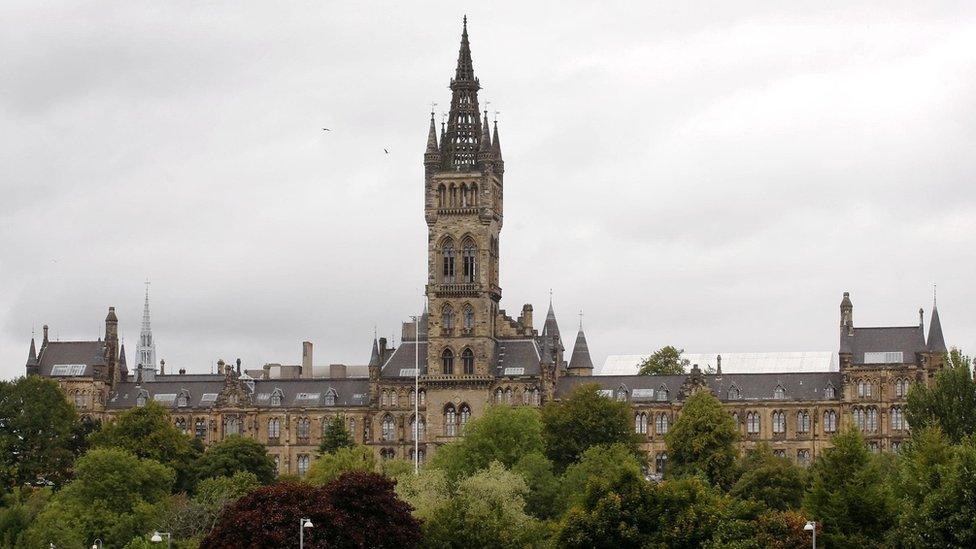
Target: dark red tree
(355, 510)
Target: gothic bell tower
(463, 208)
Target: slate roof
(404, 358)
(581, 354)
(751, 387)
(905, 339)
(936, 342)
(126, 394)
(517, 353)
(88, 353)
(349, 392)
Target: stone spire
(551, 327)
(374, 359)
(146, 350)
(936, 343)
(32, 358)
(463, 124)
(496, 144)
(581, 364)
(485, 144)
(122, 363)
(432, 136)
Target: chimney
(238, 367)
(718, 362)
(307, 360)
(527, 316)
(221, 367)
(182, 371)
(162, 367)
(45, 336)
(337, 371)
(382, 349)
(921, 318)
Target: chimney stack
(337, 371)
(45, 336)
(307, 360)
(162, 367)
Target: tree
(329, 467)
(111, 497)
(488, 510)
(619, 513)
(703, 440)
(848, 495)
(950, 403)
(600, 464)
(771, 480)
(503, 434)
(335, 436)
(147, 433)
(213, 495)
(234, 454)
(426, 492)
(544, 486)
(18, 509)
(37, 433)
(666, 361)
(355, 510)
(585, 418)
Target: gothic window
(232, 426)
(640, 423)
(450, 421)
(420, 455)
(803, 457)
(274, 428)
(663, 393)
(384, 398)
(303, 462)
(661, 424)
(181, 425)
(276, 397)
(499, 395)
(830, 421)
(735, 419)
(829, 391)
(142, 398)
(464, 195)
(183, 399)
(441, 196)
(352, 428)
(447, 317)
(423, 397)
(277, 464)
(858, 416)
(79, 399)
(779, 393)
(467, 360)
(303, 428)
(803, 421)
(901, 387)
(447, 254)
(330, 397)
(389, 428)
(465, 413)
(393, 398)
(863, 388)
(508, 395)
(420, 429)
(468, 257)
(474, 195)
(897, 419)
(447, 362)
(779, 453)
(779, 422)
(200, 428)
(734, 393)
(525, 397)
(468, 317)
(454, 200)
(874, 447)
(753, 423)
(621, 393)
(535, 397)
(660, 463)
(413, 397)
(872, 419)
(387, 454)
(896, 446)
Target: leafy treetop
(666, 361)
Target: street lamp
(812, 527)
(303, 524)
(97, 544)
(158, 537)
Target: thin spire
(936, 341)
(146, 350)
(32, 354)
(496, 145)
(463, 122)
(432, 135)
(374, 359)
(485, 144)
(581, 353)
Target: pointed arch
(388, 428)
(441, 196)
(447, 361)
(663, 394)
(447, 260)
(183, 398)
(469, 253)
(467, 361)
(467, 317)
(734, 392)
(447, 317)
(331, 396)
(276, 397)
(450, 420)
(622, 393)
(464, 414)
(464, 195)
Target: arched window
(200, 428)
(447, 317)
(232, 426)
(420, 455)
(735, 419)
(447, 253)
(467, 360)
(330, 397)
(465, 413)
(387, 453)
(468, 317)
(274, 428)
(660, 463)
(734, 393)
(384, 398)
(450, 421)
(803, 421)
(508, 395)
(753, 423)
(413, 397)
(779, 393)
(303, 462)
(830, 421)
(803, 457)
(640, 423)
(464, 195)
(447, 362)
(662, 393)
(303, 428)
(352, 428)
(394, 398)
(662, 423)
(863, 388)
(858, 416)
(468, 253)
(872, 419)
(474, 194)
(141, 398)
(897, 419)
(79, 399)
(181, 425)
(389, 428)
(418, 431)
(779, 422)
(183, 399)
(453, 191)
(901, 387)
(621, 393)
(423, 397)
(441, 196)
(535, 397)
(499, 395)
(276, 397)
(829, 391)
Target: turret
(935, 342)
(581, 364)
(112, 347)
(33, 366)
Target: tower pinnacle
(463, 121)
(146, 350)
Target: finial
(432, 105)
(550, 297)
(495, 120)
(465, 23)
(935, 296)
(581, 319)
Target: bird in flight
(326, 129)
(386, 151)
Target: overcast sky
(708, 176)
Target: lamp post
(811, 526)
(303, 524)
(158, 537)
(97, 544)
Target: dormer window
(330, 397)
(663, 393)
(183, 399)
(622, 393)
(779, 393)
(829, 391)
(276, 397)
(141, 398)
(734, 393)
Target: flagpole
(416, 394)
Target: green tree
(38, 429)
(329, 467)
(600, 464)
(583, 419)
(541, 500)
(18, 509)
(504, 434)
(335, 436)
(112, 497)
(950, 403)
(848, 495)
(703, 440)
(148, 433)
(488, 510)
(213, 495)
(234, 454)
(425, 492)
(773, 481)
(666, 361)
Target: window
(274, 428)
(863, 388)
(200, 428)
(277, 464)
(420, 455)
(413, 397)
(330, 397)
(183, 400)
(803, 457)
(662, 393)
(450, 421)
(79, 399)
(525, 397)
(141, 398)
(303, 461)
(384, 398)
(896, 446)
(468, 317)
(779, 422)
(830, 421)
(499, 396)
(779, 453)
(441, 196)
(465, 415)
(640, 423)
(803, 421)
(622, 394)
(468, 261)
(467, 361)
(447, 362)
(303, 428)
(394, 398)
(660, 463)
(897, 419)
(447, 253)
(874, 447)
(181, 425)
(387, 454)
(535, 397)
(872, 419)
(423, 397)
(232, 426)
(735, 419)
(508, 395)
(829, 392)
(447, 317)
(661, 423)
(901, 387)
(389, 428)
(734, 393)
(276, 397)
(753, 423)
(779, 393)
(419, 432)
(352, 428)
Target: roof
(807, 386)
(581, 354)
(517, 357)
(936, 342)
(79, 355)
(732, 363)
(404, 359)
(907, 340)
(202, 391)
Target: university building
(472, 354)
